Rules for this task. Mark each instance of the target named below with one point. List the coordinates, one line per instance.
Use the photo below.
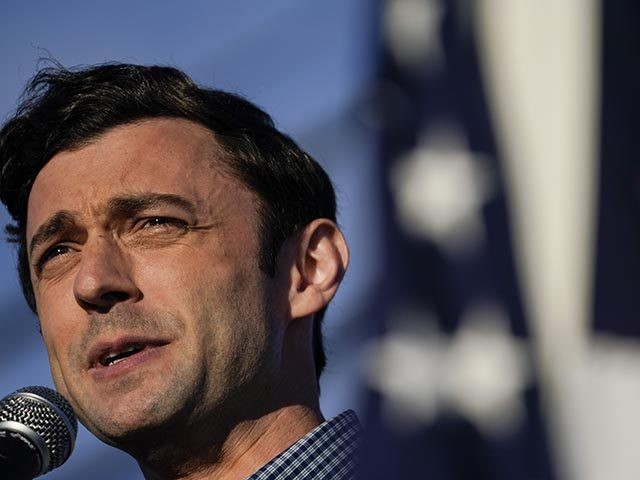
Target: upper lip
(102, 348)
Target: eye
(50, 254)
(162, 223)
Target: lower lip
(150, 352)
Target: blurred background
(486, 157)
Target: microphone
(37, 432)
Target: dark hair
(63, 109)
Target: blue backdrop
(305, 62)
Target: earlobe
(322, 257)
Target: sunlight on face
(144, 265)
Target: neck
(247, 447)
(254, 428)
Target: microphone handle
(18, 461)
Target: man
(179, 252)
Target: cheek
(57, 340)
(57, 336)
(170, 281)
(55, 298)
(62, 323)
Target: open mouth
(117, 355)
(114, 357)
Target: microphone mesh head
(58, 434)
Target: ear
(321, 259)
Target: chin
(130, 435)
(121, 423)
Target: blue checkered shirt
(327, 452)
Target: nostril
(104, 278)
(114, 297)
(104, 302)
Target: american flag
(484, 364)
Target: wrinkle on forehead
(159, 156)
(176, 150)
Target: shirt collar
(328, 451)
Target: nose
(104, 278)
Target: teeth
(114, 357)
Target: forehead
(159, 155)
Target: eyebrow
(58, 222)
(122, 207)
(129, 205)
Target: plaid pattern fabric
(327, 452)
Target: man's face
(144, 264)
